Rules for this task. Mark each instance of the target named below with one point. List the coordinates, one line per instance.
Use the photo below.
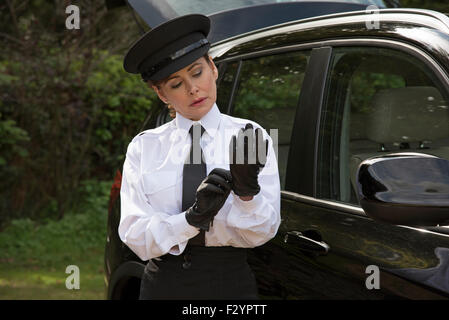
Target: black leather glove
(245, 160)
(210, 197)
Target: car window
(378, 101)
(224, 89)
(268, 93)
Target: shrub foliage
(67, 107)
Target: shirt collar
(210, 121)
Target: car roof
(270, 36)
(233, 17)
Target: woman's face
(191, 91)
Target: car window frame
(298, 144)
(346, 208)
(432, 65)
(236, 79)
(443, 85)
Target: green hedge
(63, 119)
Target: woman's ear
(214, 67)
(160, 94)
(215, 71)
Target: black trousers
(212, 273)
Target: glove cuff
(247, 192)
(197, 220)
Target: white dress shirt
(152, 223)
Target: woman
(189, 205)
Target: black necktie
(194, 173)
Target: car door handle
(305, 243)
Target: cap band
(146, 75)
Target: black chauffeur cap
(169, 47)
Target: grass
(34, 255)
(48, 284)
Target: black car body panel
(356, 242)
(325, 249)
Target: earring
(171, 111)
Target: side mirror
(405, 188)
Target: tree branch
(8, 37)
(13, 15)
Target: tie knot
(196, 131)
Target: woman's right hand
(210, 197)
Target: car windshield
(207, 7)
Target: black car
(358, 101)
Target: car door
(371, 99)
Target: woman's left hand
(248, 154)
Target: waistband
(205, 258)
(209, 253)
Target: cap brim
(180, 63)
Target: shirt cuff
(182, 228)
(248, 206)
